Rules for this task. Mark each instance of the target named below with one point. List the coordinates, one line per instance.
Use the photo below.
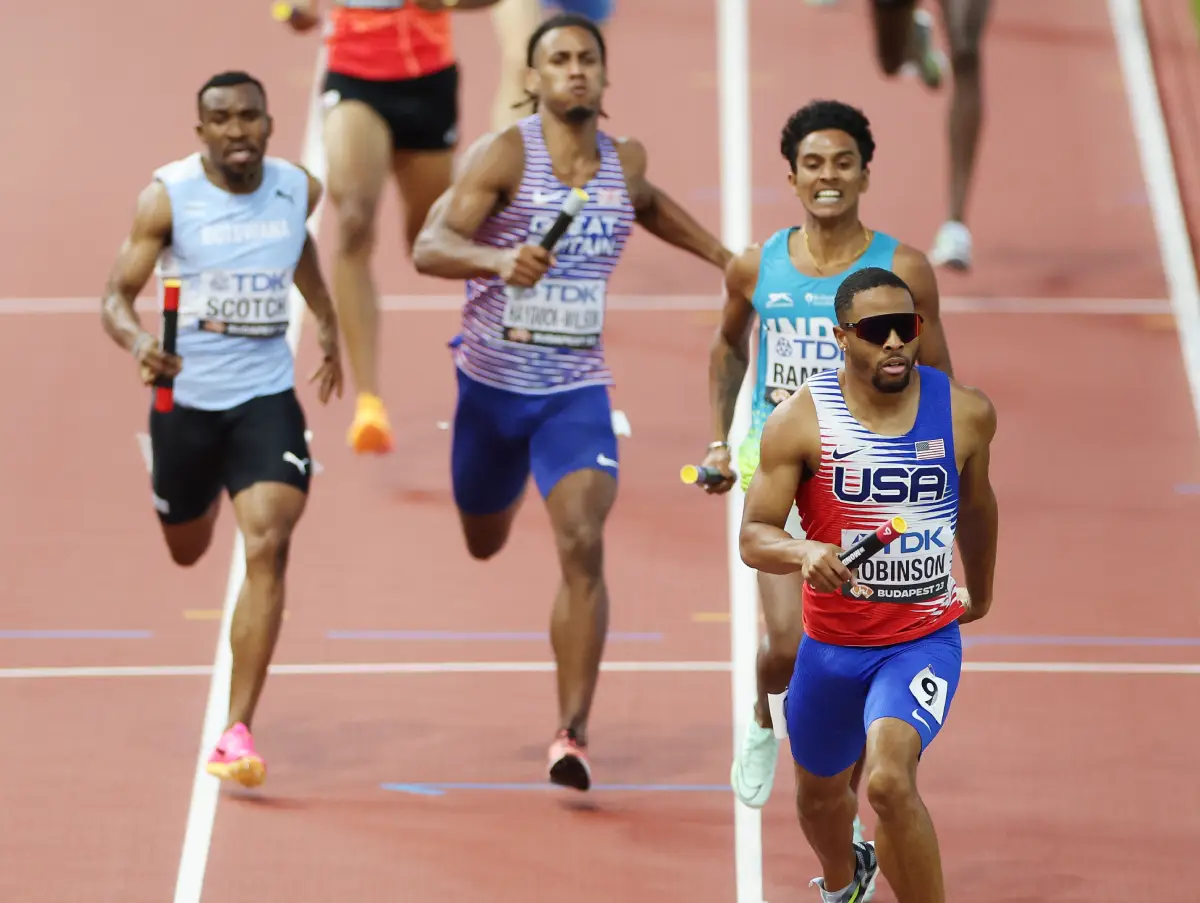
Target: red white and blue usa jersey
(906, 591)
(548, 338)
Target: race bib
(930, 692)
(556, 313)
(247, 303)
(913, 568)
(793, 359)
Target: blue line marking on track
(75, 634)
(1019, 640)
(492, 636)
(432, 789)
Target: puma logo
(301, 463)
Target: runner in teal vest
(788, 283)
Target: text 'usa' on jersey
(796, 320)
(548, 338)
(864, 479)
(235, 256)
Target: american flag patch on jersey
(930, 448)
(608, 197)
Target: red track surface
(1045, 784)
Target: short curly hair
(827, 114)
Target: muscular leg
(826, 807)
(905, 841)
(825, 708)
(780, 598)
(185, 478)
(358, 145)
(422, 177)
(965, 21)
(579, 505)
(267, 513)
(489, 463)
(753, 773)
(514, 21)
(907, 705)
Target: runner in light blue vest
(230, 224)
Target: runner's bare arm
(729, 356)
(487, 177)
(978, 512)
(149, 234)
(309, 279)
(913, 267)
(310, 282)
(790, 444)
(660, 215)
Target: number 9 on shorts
(930, 691)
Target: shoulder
(913, 267)
(906, 258)
(506, 141)
(153, 210)
(791, 429)
(496, 157)
(185, 169)
(973, 409)
(742, 270)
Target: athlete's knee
(817, 799)
(782, 615)
(267, 549)
(356, 222)
(965, 60)
(783, 637)
(580, 544)
(890, 787)
(579, 504)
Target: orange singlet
(386, 44)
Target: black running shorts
(196, 454)
(422, 112)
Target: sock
(835, 896)
(775, 703)
(840, 896)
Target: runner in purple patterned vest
(532, 377)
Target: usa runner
(879, 662)
(789, 284)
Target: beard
(578, 115)
(891, 385)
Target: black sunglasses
(877, 330)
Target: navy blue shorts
(837, 692)
(598, 11)
(502, 437)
